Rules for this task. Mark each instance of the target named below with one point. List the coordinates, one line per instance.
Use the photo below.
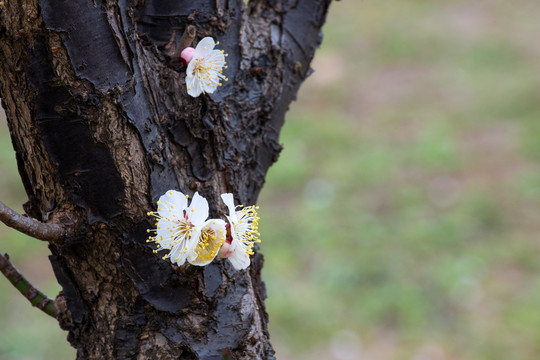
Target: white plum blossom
(179, 226)
(204, 67)
(243, 226)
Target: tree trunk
(102, 126)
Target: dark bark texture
(102, 126)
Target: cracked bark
(102, 126)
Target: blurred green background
(402, 219)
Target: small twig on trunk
(42, 231)
(36, 297)
(173, 49)
(187, 38)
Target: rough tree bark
(102, 126)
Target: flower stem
(36, 297)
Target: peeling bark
(102, 126)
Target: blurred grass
(401, 220)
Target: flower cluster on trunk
(185, 231)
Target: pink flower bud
(224, 250)
(186, 55)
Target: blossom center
(208, 244)
(183, 228)
(201, 70)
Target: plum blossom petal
(198, 209)
(239, 259)
(171, 198)
(228, 199)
